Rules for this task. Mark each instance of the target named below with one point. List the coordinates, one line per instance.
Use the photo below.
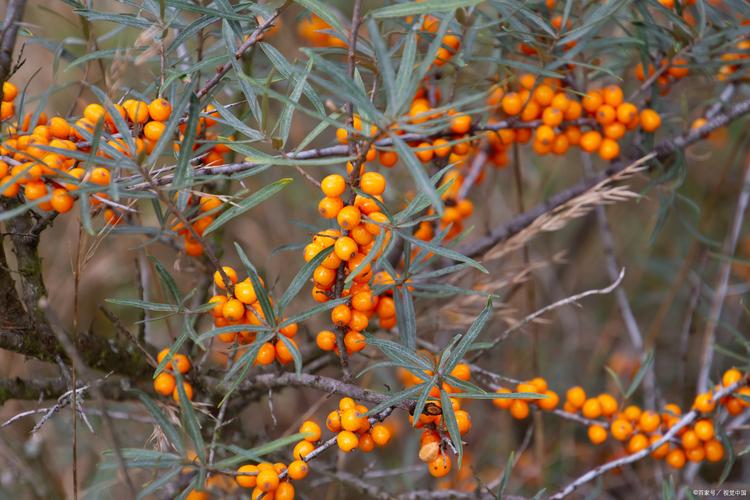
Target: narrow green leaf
(428, 7)
(449, 418)
(302, 277)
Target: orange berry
(266, 354)
(380, 434)
(285, 491)
(704, 403)
(714, 450)
(460, 124)
(160, 109)
(637, 443)
(164, 384)
(512, 103)
(592, 101)
(519, 409)
(333, 185)
(348, 217)
(347, 441)
(345, 248)
(704, 429)
(372, 183)
(329, 208)
(543, 95)
(576, 396)
(626, 112)
(590, 141)
(188, 392)
(297, 470)
(591, 408)
(424, 152)
(608, 403)
(61, 201)
(650, 120)
(181, 363)
(612, 95)
(233, 310)
(137, 110)
(649, 421)
(690, 439)
(609, 149)
(341, 315)
(440, 466)
(676, 458)
(333, 421)
(248, 481)
(94, 112)
(326, 340)
(550, 402)
(9, 92)
(99, 176)
(153, 130)
(230, 273)
(463, 420)
(606, 114)
(267, 480)
(730, 377)
(696, 454)
(621, 429)
(597, 434)
(302, 449)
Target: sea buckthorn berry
(597, 434)
(609, 149)
(552, 117)
(463, 420)
(608, 403)
(153, 130)
(181, 363)
(297, 470)
(590, 141)
(326, 340)
(333, 185)
(637, 443)
(61, 201)
(550, 402)
(137, 110)
(380, 434)
(345, 248)
(730, 377)
(690, 439)
(267, 480)
(250, 480)
(99, 176)
(424, 152)
(650, 120)
(329, 208)
(606, 114)
(621, 429)
(460, 124)
(591, 408)
(388, 158)
(576, 396)
(311, 429)
(704, 403)
(341, 315)
(160, 109)
(164, 384)
(266, 354)
(94, 112)
(662, 450)
(462, 371)
(347, 441)
(440, 466)
(233, 310)
(545, 135)
(676, 458)
(244, 292)
(302, 448)
(289, 330)
(9, 92)
(696, 455)
(372, 183)
(649, 421)
(704, 429)
(188, 392)
(349, 217)
(612, 95)
(512, 103)
(351, 420)
(592, 101)
(366, 443)
(333, 421)
(230, 273)
(519, 409)
(626, 112)
(714, 450)
(285, 491)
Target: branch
(9, 33)
(717, 304)
(254, 38)
(53, 388)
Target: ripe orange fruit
(704, 429)
(329, 208)
(248, 481)
(649, 421)
(512, 103)
(285, 491)
(440, 466)
(714, 450)
(460, 124)
(372, 183)
(704, 403)
(267, 480)
(519, 409)
(160, 109)
(164, 384)
(61, 201)
(731, 376)
(333, 185)
(311, 429)
(298, 469)
(347, 441)
(576, 396)
(188, 392)
(662, 450)
(609, 149)
(637, 443)
(621, 429)
(333, 421)
(302, 448)
(380, 434)
(650, 120)
(9, 92)
(326, 340)
(676, 458)
(590, 141)
(591, 408)
(597, 434)
(231, 274)
(266, 354)
(99, 176)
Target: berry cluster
(240, 306)
(354, 430)
(208, 206)
(271, 481)
(349, 252)
(165, 383)
(36, 164)
(520, 407)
